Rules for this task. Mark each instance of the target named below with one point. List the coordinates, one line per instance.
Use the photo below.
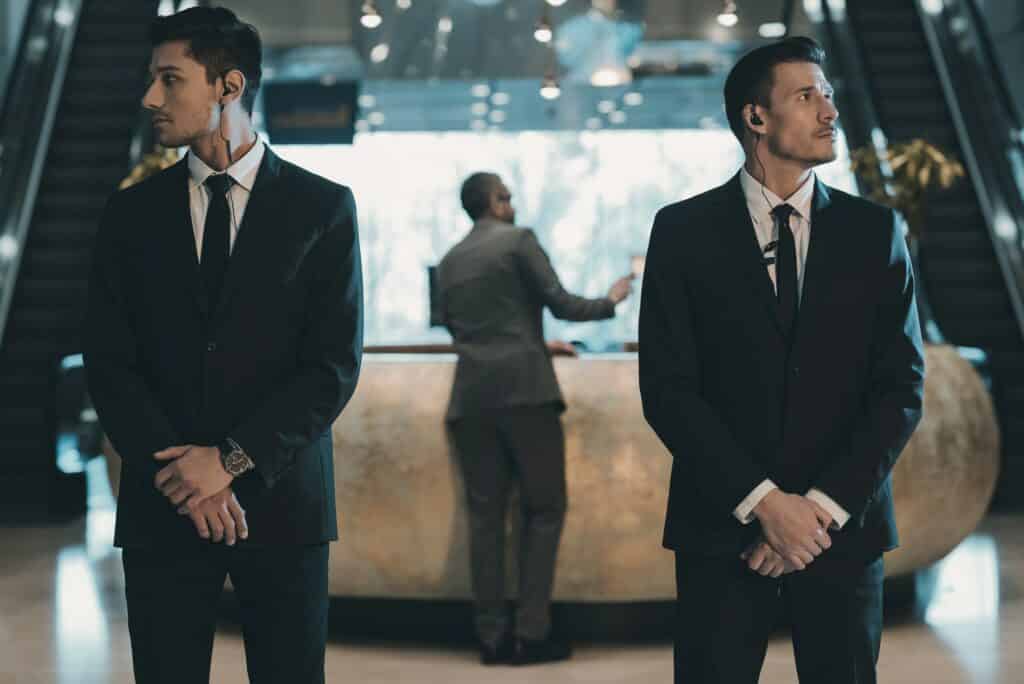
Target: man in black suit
(781, 364)
(223, 338)
(505, 411)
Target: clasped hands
(795, 532)
(196, 483)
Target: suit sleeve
(543, 280)
(129, 413)
(670, 383)
(329, 354)
(895, 392)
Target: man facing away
(504, 412)
(781, 364)
(223, 337)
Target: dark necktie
(786, 286)
(213, 262)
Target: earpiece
(755, 120)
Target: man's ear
(752, 118)
(233, 86)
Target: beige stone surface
(401, 506)
(400, 495)
(945, 478)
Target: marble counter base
(402, 512)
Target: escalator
(82, 157)
(904, 89)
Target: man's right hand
(621, 289)
(219, 518)
(792, 527)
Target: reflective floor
(62, 619)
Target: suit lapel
(746, 249)
(183, 235)
(261, 215)
(819, 254)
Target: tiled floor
(62, 619)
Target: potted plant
(900, 176)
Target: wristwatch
(234, 459)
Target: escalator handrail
(985, 133)
(26, 123)
(859, 116)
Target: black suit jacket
(735, 401)
(271, 366)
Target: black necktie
(786, 287)
(216, 238)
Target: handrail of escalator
(987, 127)
(26, 122)
(859, 117)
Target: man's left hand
(194, 474)
(765, 561)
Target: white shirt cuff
(838, 513)
(745, 511)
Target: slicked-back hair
(476, 193)
(218, 40)
(750, 80)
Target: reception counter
(401, 507)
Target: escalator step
(893, 41)
(72, 203)
(908, 85)
(901, 63)
(73, 232)
(21, 456)
(937, 134)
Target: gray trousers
(526, 443)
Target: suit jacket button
(212, 346)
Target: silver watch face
(236, 463)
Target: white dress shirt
(760, 201)
(243, 173)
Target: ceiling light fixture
(772, 29)
(728, 18)
(549, 88)
(371, 18)
(544, 32)
(633, 99)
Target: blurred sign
(310, 112)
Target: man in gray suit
(505, 408)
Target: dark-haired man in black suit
(781, 364)
(223, 338)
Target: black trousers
(172, 598)
(527, 442)
(726, 614)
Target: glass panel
(590, 196)
(12, 21)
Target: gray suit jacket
(494, 285)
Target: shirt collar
(243, 171)
(799, 200)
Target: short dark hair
(476, 193)
(218, 40)
(750, 80)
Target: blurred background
(595, 113)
